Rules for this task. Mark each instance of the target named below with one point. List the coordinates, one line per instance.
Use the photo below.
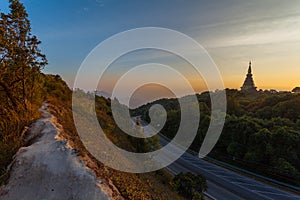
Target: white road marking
(278, 194)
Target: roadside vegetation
(261, 132)
(190, 186)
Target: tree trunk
(9, 93)
(24, 89)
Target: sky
(233, 32)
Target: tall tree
(21, 59)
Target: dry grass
(155, 185)
(13, 128)
(13, 125)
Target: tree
(285, 167)
(20, 58)
(190, 185)
(296, 90)
(20, 65)
(260, 149)
(144, 145)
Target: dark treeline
(261, 132)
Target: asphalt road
(223, 183)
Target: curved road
(222, 183)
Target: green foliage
(236, 149)
(259, 133)
(147, 144)
(286, 167)
(190, 186)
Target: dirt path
(48, 169)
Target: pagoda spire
(249, 69)
(249, 86)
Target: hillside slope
(50, 169)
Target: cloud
(258, 31)
(241, 23)
(100, 3)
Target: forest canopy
(261, 132)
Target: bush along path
(48, 169)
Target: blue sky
(233, 32)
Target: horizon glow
(233, 33)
